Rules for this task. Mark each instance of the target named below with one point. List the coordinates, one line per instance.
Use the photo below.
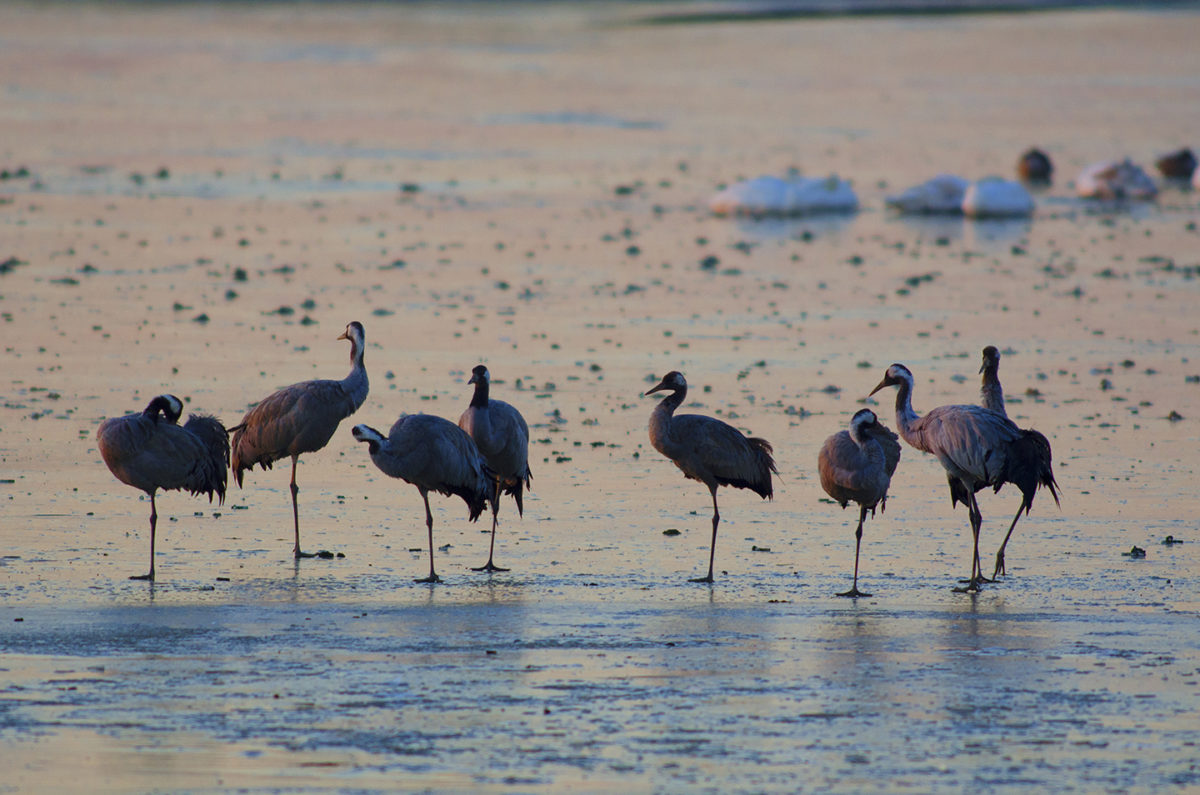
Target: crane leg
(977, 578)
(296, 515)
(712, 548)
(489, 566)
(429, 526)
(153, 528)
(853, 592)
(1000, 552)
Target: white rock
(995, 197)
(942, 194)
(774, 196)
(1115, 179)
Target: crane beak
(474, 379)
(887, 381)
(982, 367)
(659, 388)
(343, 336)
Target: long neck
(991, 394)
(660, 420)
(905, 416)
(356, 384)
(480, 398)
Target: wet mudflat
(535, 685)
(199, 199)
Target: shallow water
(492, 187)
(533, 686)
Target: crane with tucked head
(708, 450)
(300, 418)
(432, 454)
(857, 466)
(149, 450)
(502, 435)
(977, 447)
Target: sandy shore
(200, 197)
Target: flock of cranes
(486, 455)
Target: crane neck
(356, 383)
(905, 416)
(660, 418)
(479, 400)
(660, 423)
(667, 405)
(991, 393)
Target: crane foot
(490, 567)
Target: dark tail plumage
(1030, 467)
(762, 485)
(516, 488)
(211, 472)
(477, 496)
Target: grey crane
(300, 418)
(857, 466)
(501, 434)
(149, 450)
(991, 396)
(432, 454)
(1036, 469)
(708, 450)
(977, 447)
(1028, 474)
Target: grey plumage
(300, 418)
(432, 454)
(708, 450)
(150, 451)
(502, 436)
(1032, 462)
(991, 396)
(857, 466)
(977, 447)
(1030, 465)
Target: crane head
(673, 380)
(354, 332)
(480, 375)
(365, 433)
(170, 406)
(896, 374)
(991, 359)
(863, 418)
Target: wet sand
(212, 193)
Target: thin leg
(977, 578)
(712, 548)
(1000, 553)
(153, 527)
(296, 514)
(853, 592)
(978, 530)
(429, 525)
(489, 566)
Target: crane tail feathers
(757, 478)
